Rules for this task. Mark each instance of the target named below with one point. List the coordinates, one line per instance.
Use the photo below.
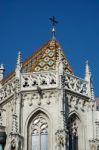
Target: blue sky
(25, 26)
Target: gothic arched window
(73, 132)
(39, 133)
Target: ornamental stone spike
(88, 78)
(2, 69)
(87, 72)
(18, 64)
(19, 60)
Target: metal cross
(53, 20)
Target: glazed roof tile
(9, 77)
(43, 59)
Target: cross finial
(54, 22)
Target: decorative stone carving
(9, 89)
(37, 79)
(72, 127)
(40, 92)
(75, 84)
(39, 101)
(93, 145)
(76, 102)
(44, 80)
(34, 97)
(60, 138)
(13, 145)
(2, 114)
(30, 101)
(39, 124)
(48, 98)
(14, 124)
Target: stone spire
(18, 64)
(88, 78)
(19, 60)
(2, 69)
(87, 72)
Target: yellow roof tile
(45, 59)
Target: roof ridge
(8, 77)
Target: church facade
(44, 106)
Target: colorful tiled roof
(45, 59)
(9, 77)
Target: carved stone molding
(60, 138)
(76, 102)
(75, 84)
(93, 144)
(13, 145)
(72, 126)
(31, 81)
(33, 98)
(2, 111)
(9, 89)
(39, 124)
(15, 142)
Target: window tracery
(39, 133)
(72, 127)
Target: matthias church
(45, 106)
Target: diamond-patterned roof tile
(45, 59)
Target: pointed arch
(74, 127)
(37, 110)
(74, 113)
(38, 125)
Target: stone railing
(75, 84)
(8, 89)
(43, 80)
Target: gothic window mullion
(40, 135)
(73, 135)
(73, 142)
